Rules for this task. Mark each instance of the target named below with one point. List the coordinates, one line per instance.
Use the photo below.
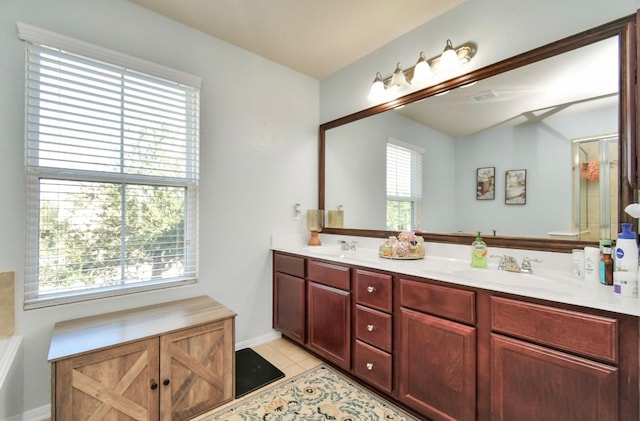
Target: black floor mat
(253, 372)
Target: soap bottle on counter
(606, 265)
(625, 270)
(479, 252)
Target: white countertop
(551, 280)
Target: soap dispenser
(478, 252)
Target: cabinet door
(196, 370)
(437, 366)
(329, 319)
(536, 383)
(116, 383)
(289, 306)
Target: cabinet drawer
(288, 264)
(373, 289)
(373, 327)
(372, 365)
(332, 275)
(571, 331)
(442, 301)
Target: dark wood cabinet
(531, 382)
(329, 323)
(437, 366)
(373, 336)
(548, 368)
(289, 297)
(434, 342)
(451, 352)
(329, 311)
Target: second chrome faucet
(510, 264)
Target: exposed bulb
(449, 57)
(422, 71)
(398, 79)
(377, 92)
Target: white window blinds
(112, 178)
(404, 185)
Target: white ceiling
(315, 37)
(320, 37)
(580, 80)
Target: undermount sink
(538, 281)
(362, 254)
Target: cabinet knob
(370, 289)
(370, 328)
(369, 366)
(154, 385)
(166, 382)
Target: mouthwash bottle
(479, 252)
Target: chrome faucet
(526, 264)
(348, 246)
(508, 263)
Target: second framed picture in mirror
(515, 192)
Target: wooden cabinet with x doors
(170, 361)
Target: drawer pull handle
(369, 366)
(370, 289)
(370, 328)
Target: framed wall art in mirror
(515, 191)
(522, 112)
(486, 183)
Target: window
(112, 174)
(404, 186)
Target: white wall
(499, 28)
(356, 171)
(545, 150)
(258, 158)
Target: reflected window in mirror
(404, 186)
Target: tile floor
(289, 358)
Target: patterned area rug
(318, 394)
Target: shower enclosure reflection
(595, 187)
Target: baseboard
(258, 340)
(37, 414)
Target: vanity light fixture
(421, 73)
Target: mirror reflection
(427, 166)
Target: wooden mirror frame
(625, 29)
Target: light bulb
(398, 79)
(449, 57)
(377, 92)
(421, 72)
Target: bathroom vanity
(454, 342)
(162, 362)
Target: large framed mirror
(565, 113)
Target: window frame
(416, 182)
(33, 174)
